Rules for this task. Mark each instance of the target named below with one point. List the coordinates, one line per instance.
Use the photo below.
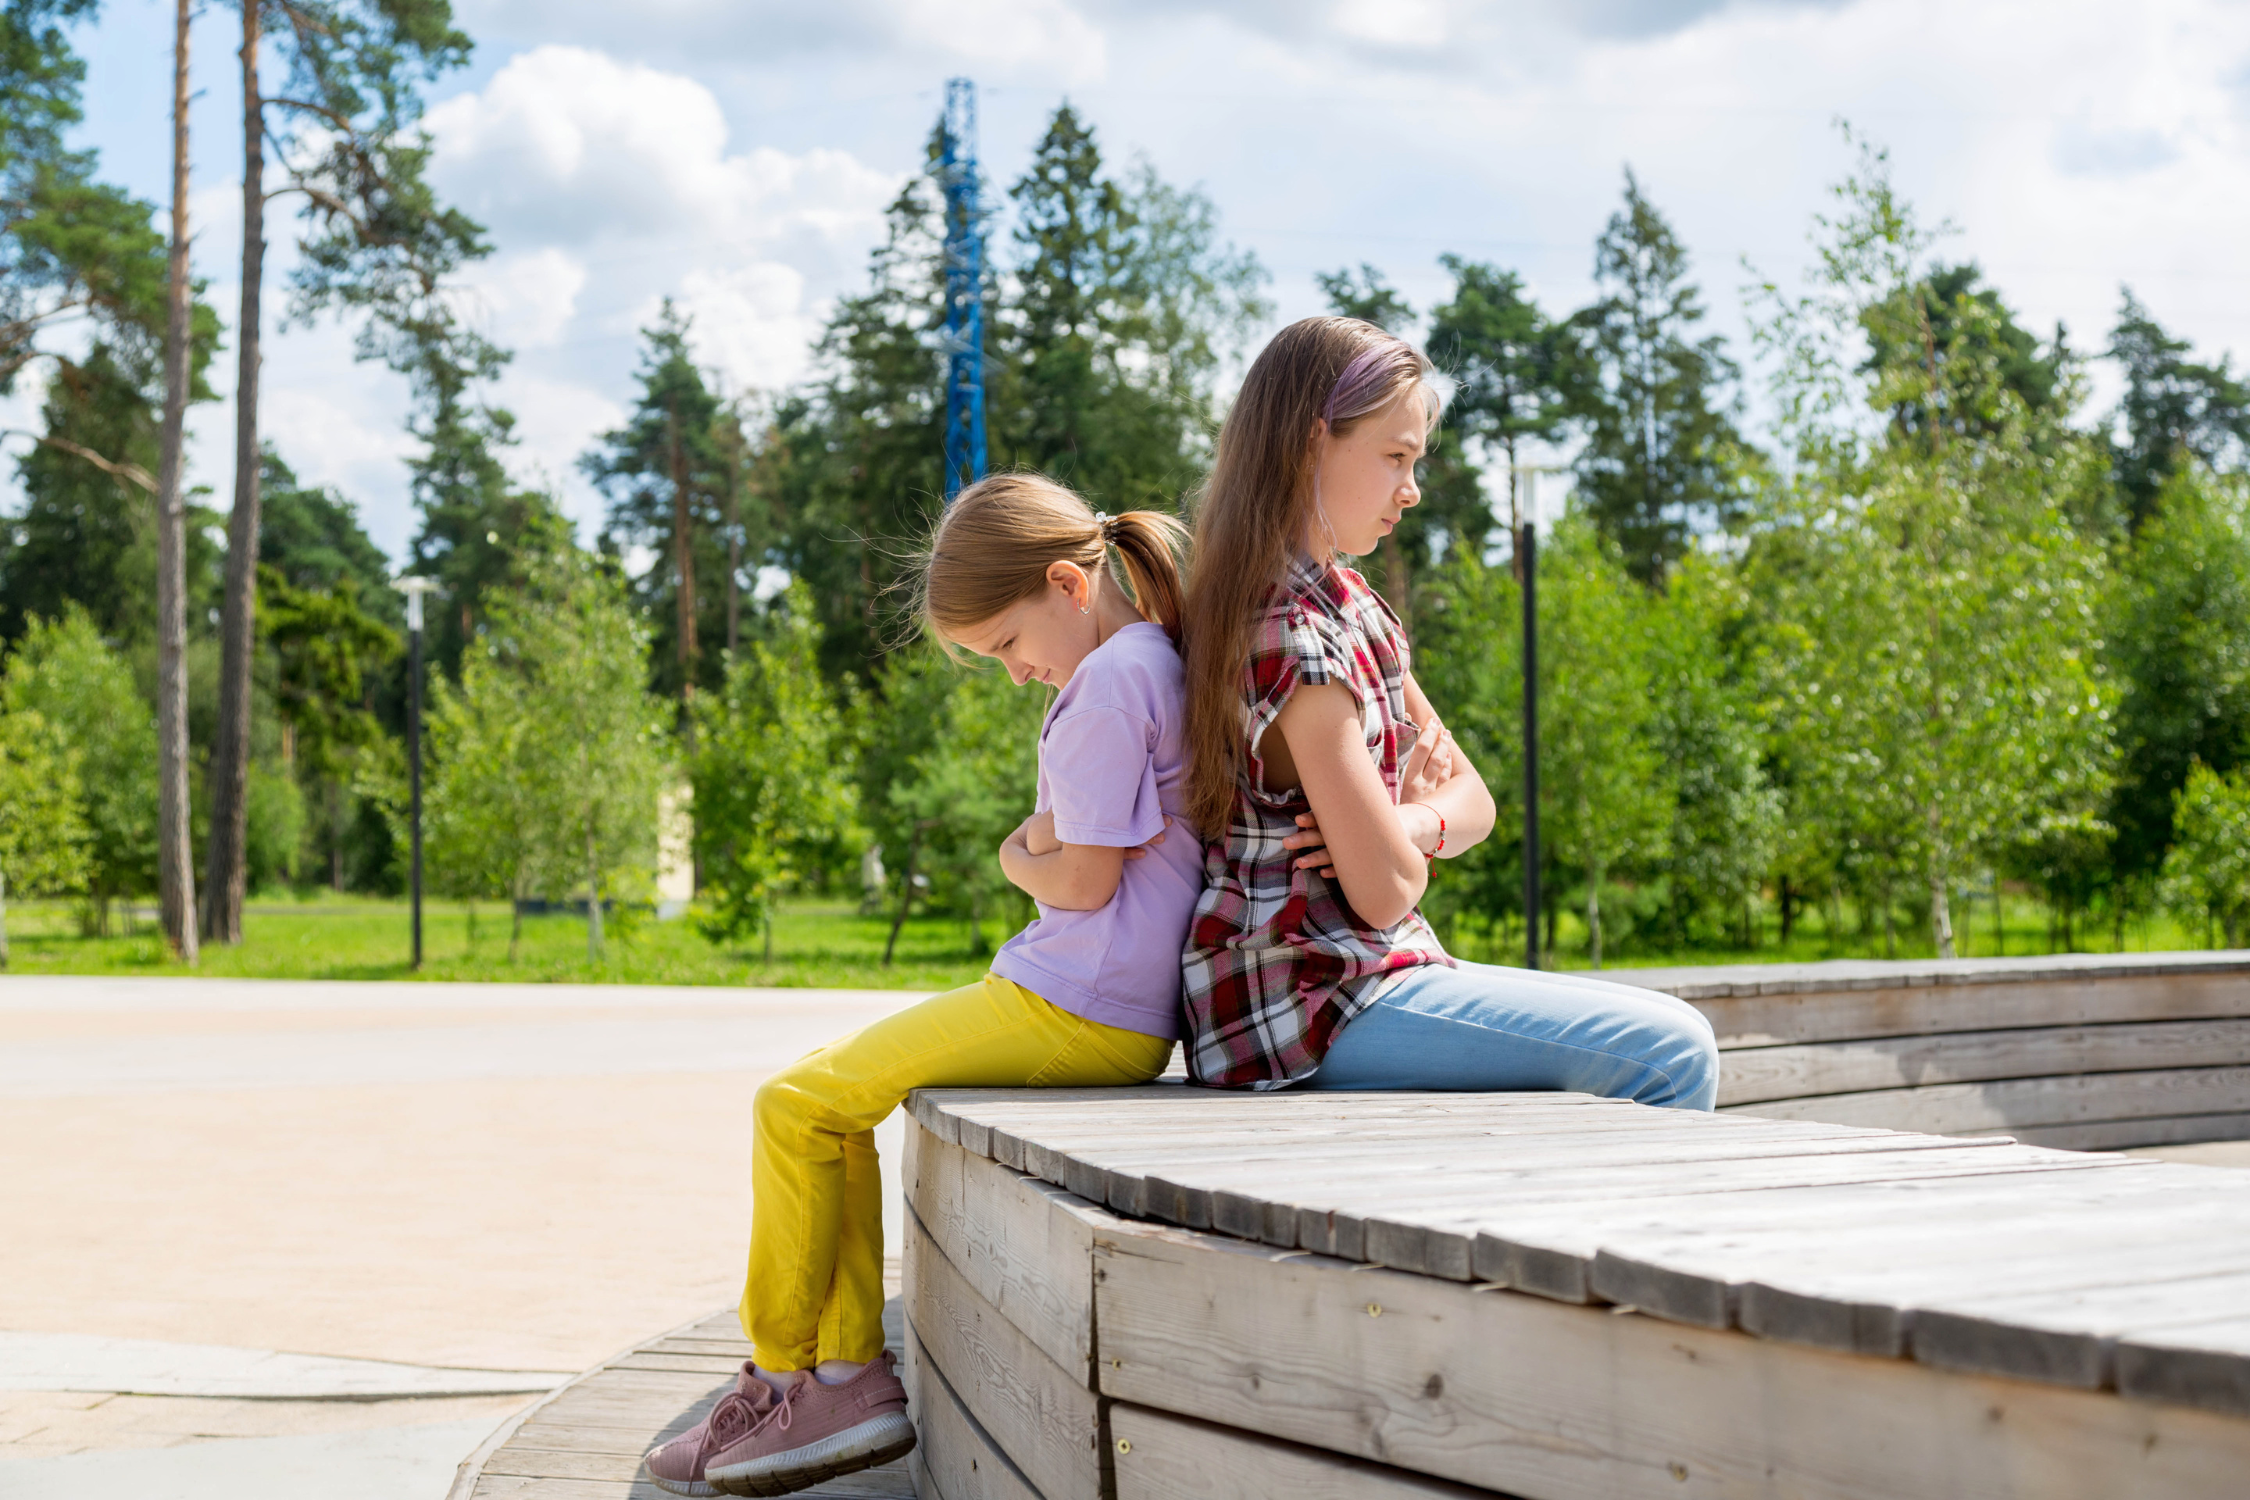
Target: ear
(1072, 580)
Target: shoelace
(782, 1411)
(734, 1411)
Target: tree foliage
(773, 774)
(64, 673)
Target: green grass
(828, 944)
(366, 937)
(2025, 931)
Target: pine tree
(347, 138)
(1661, 451)
(667, 479)
(2175, 410)
(1508, 362)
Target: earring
(1085, 609)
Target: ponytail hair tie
(1108, 524)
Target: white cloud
(524, 299)
(611, 185)
(1048, 39)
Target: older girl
(1325, 785)
(1018, 570)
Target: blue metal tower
(964, 290)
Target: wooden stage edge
(1875, 1273)
(1642, 1304)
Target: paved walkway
(239, 1209)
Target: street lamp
(1523, 508)
(414, 589)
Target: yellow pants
(815, 1289)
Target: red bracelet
(1440, 849)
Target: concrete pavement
(475, 1186)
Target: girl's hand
(1312, 845)
(1429, 765)
(1142, 851)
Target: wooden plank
(1754, 1074)
(1024, 1245)
(2069, 1337)
(737, 1350)
(547, 1463)
(2114, 1135)
(2019, 1103)
(1828, 1010)
(1863, 1294)
(697, 1364)
(1164, 1457)
(1549, 1250)
(1047, 1421)
(2200, 1365)
(1175, 1184)
(1436, 1228)
(1332, 1216)
(956, 1452)
(587, 1437)
(1562, 1402)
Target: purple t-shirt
(1111, 765)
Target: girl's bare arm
(1070, 877)
(1322, 748)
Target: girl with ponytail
(1017, 570)
(1324, 784)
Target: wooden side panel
(1926, 1009)
(2027, 1102)
(1024, 1245)
(1538, 1398)
(1041, 1416)
(1754, 1074)
(1164, 1457)
(952, 1449)
(2118, 1135)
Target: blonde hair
(992, 547)
(1255, 509)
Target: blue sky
(737, 156)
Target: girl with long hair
(1017, 570)
(1324, 784)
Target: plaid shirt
(1276, 959)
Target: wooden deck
(585, 1441)
(1825, 1291)
(1166, 1291)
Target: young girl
(1088, 994)
(1324, 783)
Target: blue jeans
(1479, 1027)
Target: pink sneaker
(678, 1465)
(815, 1432)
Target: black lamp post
(1527, 554)
(414, 589)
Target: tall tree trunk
(175, 861)
(1941, 913)
(593, 898)
(683, 557)
(1594, 916)
(335, 836)
(226, 875)
(3, 919)
(734, 547)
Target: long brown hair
(1256, 508)
(991, 549)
